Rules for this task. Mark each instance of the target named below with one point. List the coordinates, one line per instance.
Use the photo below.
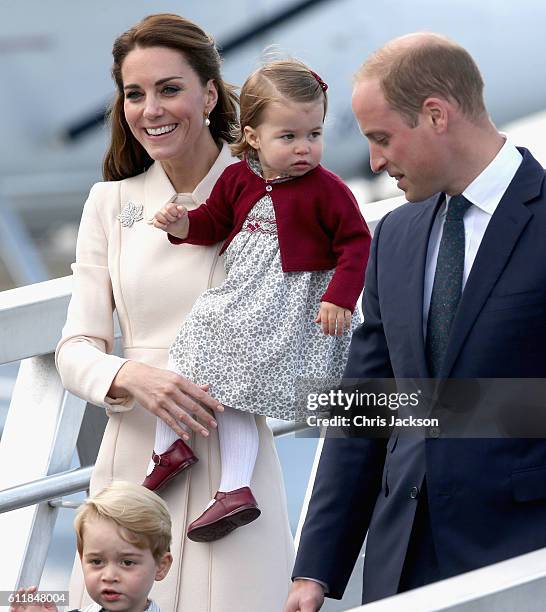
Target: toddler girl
(296, 248)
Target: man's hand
(173, 219)
(305, 596)
(333, 319)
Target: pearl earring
(207, 120)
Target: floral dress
(253, 339)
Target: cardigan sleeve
(213, 221)
(83, 357)
(350, 244)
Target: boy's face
(118, 575)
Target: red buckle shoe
(229, 511)
(176, 458)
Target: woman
(172, 118)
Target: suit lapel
(419, 232)
(500, 239)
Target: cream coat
(152, 286)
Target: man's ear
(435, 112)
(251, 136)
(163, 566)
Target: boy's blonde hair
(142, 515)
(272, 82)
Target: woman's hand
(333, 319)
(24, 594)
(169, 396)
(173, 219)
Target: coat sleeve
(213, 221)
(83, 357)
(348, 478)
(350, 244)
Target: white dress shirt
(485, 193)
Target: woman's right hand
(168, 395)
(173, 219)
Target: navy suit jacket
(487, 497)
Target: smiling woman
(165, 106)
(171, 125)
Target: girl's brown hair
(272, 82)
(126, 157)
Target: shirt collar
(487, 189)
(253, 162)
(158, 188)
(152, 607)
(203, 189)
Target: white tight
(239, 440)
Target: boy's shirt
(152, 607)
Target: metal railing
(515, 585)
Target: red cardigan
(319, 224)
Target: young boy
(123, 538)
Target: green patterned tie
(448, 283)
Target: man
(455, 288)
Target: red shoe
(229, 511)
(176, 458)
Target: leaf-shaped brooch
(131, 213)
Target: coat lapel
(419, 232)
(500, 239)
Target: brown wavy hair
(272, 82)
(126, 157)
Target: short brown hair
(272, 82)
(142, 516)
(126, 157)
(433, 65)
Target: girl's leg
(239, 440)
(164, 437)
(233, 505)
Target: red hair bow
(323, 85)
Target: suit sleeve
(213, 221)
(350, 245)
(83, 357)
(348, 478)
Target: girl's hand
(31, 607)
(173, 219)
(168, 396)
(333, 319)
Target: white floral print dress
(253, 339)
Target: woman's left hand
(333, 319)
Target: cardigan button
(268, 188)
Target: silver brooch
(131, 213)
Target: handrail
(44, 489)
(74, 481)
(22, 308)
(515, 584)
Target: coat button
(269, 188)
(434, 432)
(414, 492)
